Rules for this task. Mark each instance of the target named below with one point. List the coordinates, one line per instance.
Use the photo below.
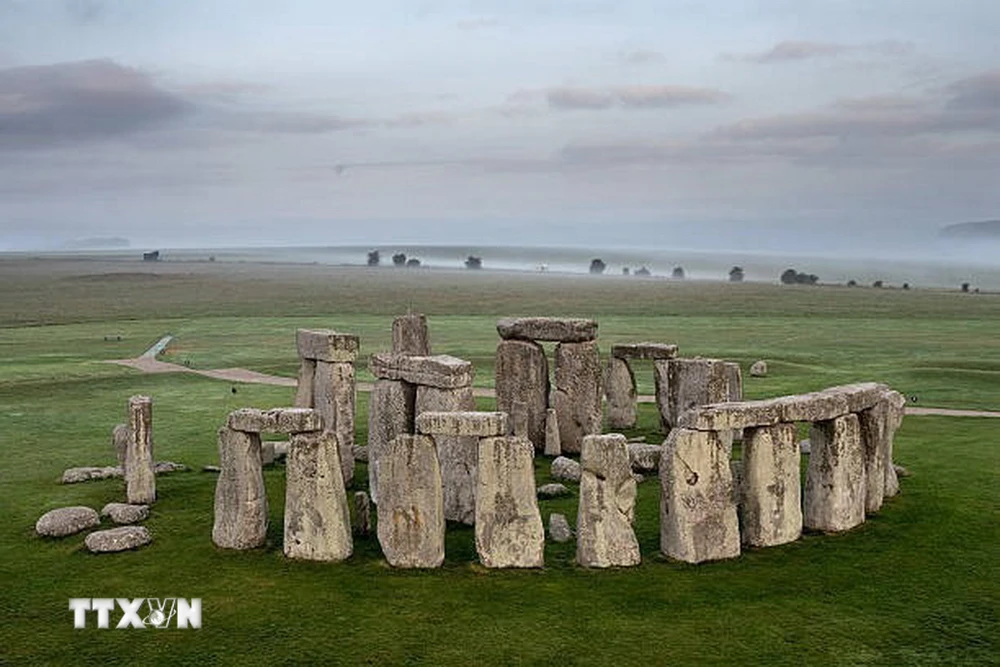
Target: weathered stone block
(771, 510)
(873, 427)
(410, 335)
(478, 424)
(644, 458)
(391, 408)
(895, 411)
(578, 393)
(411, 522)
(334, 392)
(735, 415)
(240, 497)
(121, 436)
(557, 329)
(559, 528)
(620, 390)
(758, 369)
(140, 477)
(304, 385)
(604, 535)
(522, 376)
(66, 521)
(123, 513)
(114, 540)
(362, 513)
(442, 371)
(509, 530)
(735, 378)
(835, 479)
(698, 520)
(682, 384)
(327, 345)
(457, 455)
(317, 520)
(553, 446)
(565, 469)
(644, 351)
(276, 420)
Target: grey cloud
(799, 50)
(641, 57)
(478, 24)
(631, 97)
(50, 104)
(85, 11)
(578, 98)
(291, 123)
(980, 92)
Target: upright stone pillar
(410, 336)
(874, 425)
(121, 437)
(553, 447)
(835, 479)
(522, 377)
(698, 520)
(607, 504)
(578, 393)
(390, 414)
(771, 492)
(240, 498)
(683, 384)
(895, 411)
(304, 385)
(411, 522)
(317, 520)
(509, 531)
(457, 454)
(620, 389)
(140, 478)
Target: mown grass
(917, 584)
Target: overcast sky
(736, 123)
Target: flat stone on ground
(565, 469)
(553, 490)
(559, 528)
(122, 538)
(556, 329)
(87, 473)
(66, 521)
(123, 513)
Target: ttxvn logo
(155, 613)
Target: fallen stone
(411, 522)
(644, 458)
(334, 399)
(732, 415)
(241, 511)
(638, 477)
(391, 408)
(620, 390)
(362, 513)
(560, 330)
(123, 513)
(637, 438)
(66, 521)
(87, 473)
(167, 467)
(457, 454)
(644, 351)
(140, 477)
(478, 424)
(758, 369)
(317, 520)
(901, 471)
(410, 335)
(771, 489)
(360, 453)
(566, 470)
(211, 469)
(121, 436)
(604, 534)
(326, 345)
(276, 420)
(559, 528)
(553, 445)
(441, 371)
(578, 393)
(114, 540)
(555, 490)
(509, 531)
(522, 377)
(834, 495)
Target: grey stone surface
(682, 384)
(509, 531)
(457, 454)
(410, 335)
(275, 420)
(698, 519)
(266, 453)
(604, 534)
(834, 495)
(557, 329)
(644, 351)
(644, 458)
(830, 403)
(805, 446)
(559, 529)
(317, 520)
(771, 511)
(578, 393)
(123, 513)
(896, 406)
(758, 369)
(470, 423)
(565, 469)
(66, 521)
(362, 513)
(165, 467)
(411, 522)
(211, 469)
(121, 436)
(113, 540)
(326, 345)
(735, 378)
(140, 478)
(732, 415)
(240, 497)
(620, 390)
(522, 375)
(334, 391)
(391, 408)
(519, 419)
(304, 384)
(87, 473)
(553, 445)
(360, 453)
(553, 490)
(442, 371)
(873, 427)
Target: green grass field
(917, 584)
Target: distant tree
(643, 271)
(793, 277)
(399, 259)
(810, 279)
(211, 258)
(373, 258)
(906, 285)
(678, 273)
(412, 263)
(736, 274)
(625, 270)
(965, 287)
(878, 284)
(474, 262)
(852, 283)
(597, 266)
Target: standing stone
(565, 469)
(457, 454)
(509, 530)
(240, 497)
(553, 447)
(698, 520)
(559, 528)
(140, 478)
(620, 389)
(390, 414)
(682, 384)
(835, 479)
(121, 436)
(519, 419)
(896, 409)
(735, 378)
(317, 522)
(873, 425)
(578, 393)
(522, 375)
(410, 336)
(333, 398)
(304, 387)
(604, 535)
(362, 513)
(411, 520)
(771, 491)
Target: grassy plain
(917, 584)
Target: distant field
(916, 585)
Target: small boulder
(66, 521)
(552, 491)
(87, 473)
(758, 369)
(122, 538)
(362, 513)
(901, 471)
(211, 469)
(123, 513)
(566, 470)
(644, 458)
(360, 453)
(559, 529)
(164, 467)
(805, 446)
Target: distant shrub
(374, 258)
(793, 277)
(597, 266)
(852, 283)
(474, 262)
(625, 271)
(906, 285)
(399, 259)
(736, 274)
(878, 284)
(678, 273)
(643, 271)
(965, 287)
(413, 262)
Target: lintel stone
(644, 351)
(557, 329)
(326, 345)
(441, 370)
(277, 420)
(480, 424)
